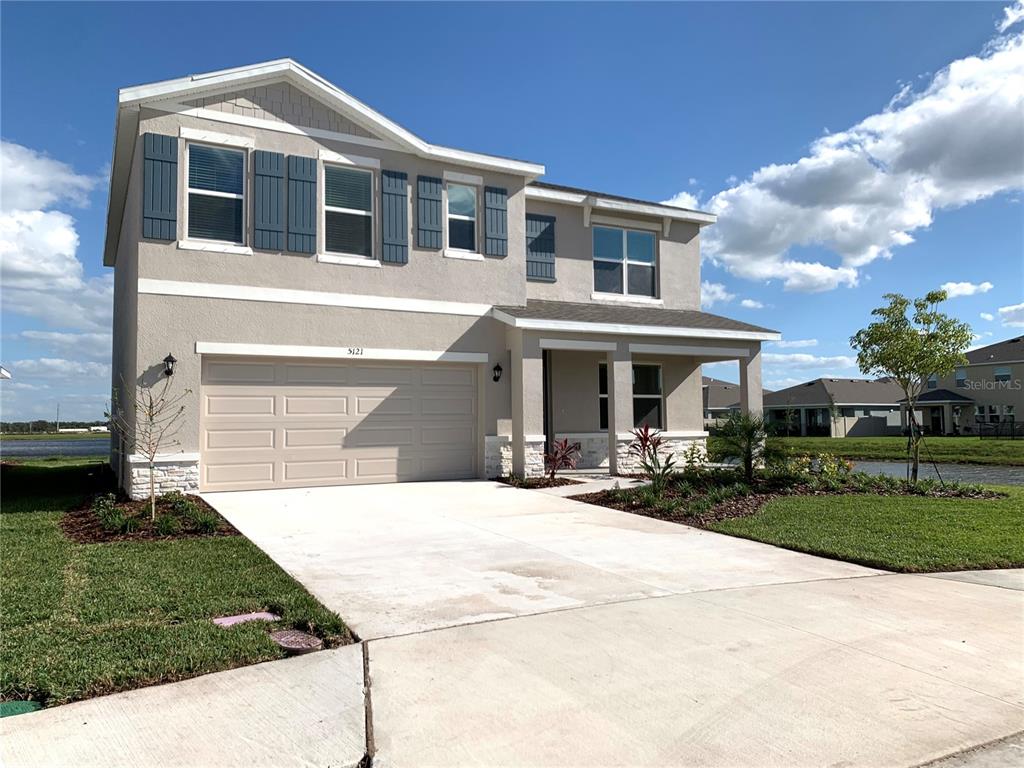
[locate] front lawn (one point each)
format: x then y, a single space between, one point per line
898 533
80 620
957 450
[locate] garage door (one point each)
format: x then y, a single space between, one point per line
291 423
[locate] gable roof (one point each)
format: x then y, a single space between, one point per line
1009 351
169 93
842 391
941 396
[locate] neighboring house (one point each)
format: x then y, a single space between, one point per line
837 408
983 397
721 398
348 303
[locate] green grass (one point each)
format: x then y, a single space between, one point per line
55 436
957 450
898 533
80 620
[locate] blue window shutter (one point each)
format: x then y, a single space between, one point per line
394 217
428 213
160 187
540 248
301 204
495 221
268 203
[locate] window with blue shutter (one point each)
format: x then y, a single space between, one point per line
160 187
216 193
540 248
268 201
428 213
495 221
394 217
301 204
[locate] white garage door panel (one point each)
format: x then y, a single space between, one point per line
285 423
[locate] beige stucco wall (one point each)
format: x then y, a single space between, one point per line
427 275
678 259
983 389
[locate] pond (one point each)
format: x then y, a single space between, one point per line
99 446
963 473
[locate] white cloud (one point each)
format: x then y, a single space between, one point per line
862 192
1012 316
712 293
1011 15
33 181
987 316
751 304
731 180
94 346
692 182
59 368
783 383
794 343
683 200
803 361
966 289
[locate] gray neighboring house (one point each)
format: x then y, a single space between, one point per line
349 303
721 399
838 408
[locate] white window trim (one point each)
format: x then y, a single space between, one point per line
212 137
341 257
625 297
468 179
626 264
222 246
661 397
463 253
358 161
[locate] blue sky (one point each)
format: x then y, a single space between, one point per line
850 149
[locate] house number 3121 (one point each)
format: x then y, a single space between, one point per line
355 350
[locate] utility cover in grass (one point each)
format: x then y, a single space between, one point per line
294 641
10 708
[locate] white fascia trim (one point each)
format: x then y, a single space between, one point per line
554 195
615 221
314 85
200 245
607 204
689 351
464 178
211 137
334 157
316 298
622 297
570 326
165 458
348 261
454 253
358 353
574 344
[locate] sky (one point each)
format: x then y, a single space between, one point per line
849 149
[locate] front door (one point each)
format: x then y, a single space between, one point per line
936 421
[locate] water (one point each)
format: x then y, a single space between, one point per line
99 446
964 473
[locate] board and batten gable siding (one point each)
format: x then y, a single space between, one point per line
678 259
427 274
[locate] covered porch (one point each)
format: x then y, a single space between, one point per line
593 379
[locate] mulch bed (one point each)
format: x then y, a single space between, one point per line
83 526
537 482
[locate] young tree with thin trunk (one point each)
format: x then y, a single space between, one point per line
909 348
157 419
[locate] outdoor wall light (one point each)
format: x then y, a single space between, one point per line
169 362
497 371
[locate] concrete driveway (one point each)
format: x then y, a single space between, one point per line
409 557
637 642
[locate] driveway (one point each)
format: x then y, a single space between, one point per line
637 642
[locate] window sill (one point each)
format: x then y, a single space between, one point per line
454 253
199 245
348 261
627 298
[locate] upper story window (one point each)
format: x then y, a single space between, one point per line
462 207
1002 373
216 193
624 261
348 211
933 381
961 377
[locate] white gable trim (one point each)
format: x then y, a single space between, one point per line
666 214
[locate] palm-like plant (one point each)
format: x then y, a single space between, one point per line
750 439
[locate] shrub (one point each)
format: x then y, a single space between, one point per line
179 503
203 521
167 525
563 455
750 439
656 468
110 516
694 457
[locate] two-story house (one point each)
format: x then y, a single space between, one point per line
346 302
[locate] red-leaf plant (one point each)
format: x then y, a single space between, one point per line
657 468
563 455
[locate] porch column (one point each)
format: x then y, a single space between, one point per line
620 402
527 387
947 419
803 422
751 394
